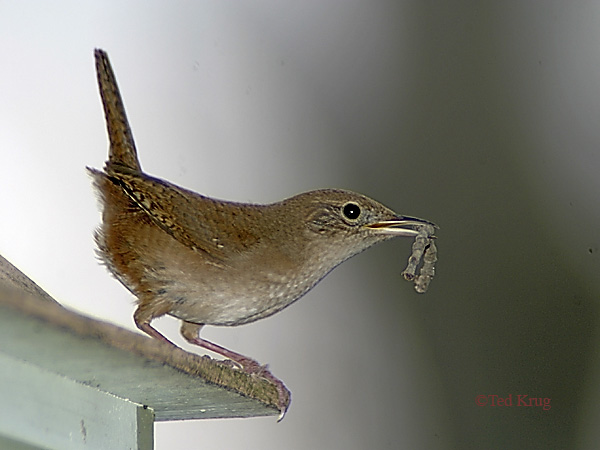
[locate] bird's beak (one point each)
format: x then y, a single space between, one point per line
401 226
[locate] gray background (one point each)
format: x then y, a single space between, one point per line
481 117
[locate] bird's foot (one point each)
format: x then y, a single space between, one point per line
245 364
254 368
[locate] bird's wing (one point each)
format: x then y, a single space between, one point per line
198 222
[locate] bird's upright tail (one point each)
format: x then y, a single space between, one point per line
122 153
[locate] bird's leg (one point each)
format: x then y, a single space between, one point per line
191 333
142 318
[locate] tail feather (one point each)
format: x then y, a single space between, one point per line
122 153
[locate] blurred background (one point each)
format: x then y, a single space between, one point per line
480 117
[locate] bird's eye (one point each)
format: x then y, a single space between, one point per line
351 211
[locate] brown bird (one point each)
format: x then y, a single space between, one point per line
214 262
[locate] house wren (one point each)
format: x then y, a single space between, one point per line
214 262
